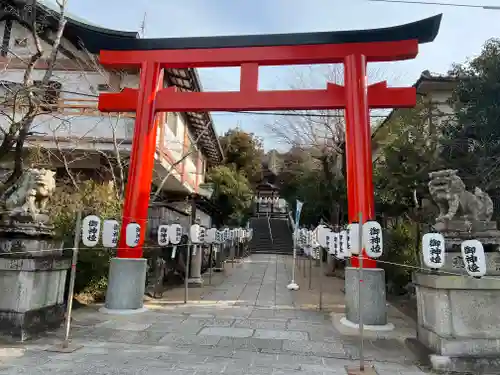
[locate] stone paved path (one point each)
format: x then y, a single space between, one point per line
249 324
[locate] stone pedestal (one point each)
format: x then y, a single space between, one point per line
219 266
457 231
458 320
330 261
126 285
32 293
232 252
33 270
195 280
454 264
373 296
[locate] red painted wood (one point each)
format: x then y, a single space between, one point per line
135 208
355 97
359 168
264 56
171 100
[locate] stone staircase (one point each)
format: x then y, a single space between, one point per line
278 240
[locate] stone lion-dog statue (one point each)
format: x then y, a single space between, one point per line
29 196
453 200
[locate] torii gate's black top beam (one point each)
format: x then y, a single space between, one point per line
96 39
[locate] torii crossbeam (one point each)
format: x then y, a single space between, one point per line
352 48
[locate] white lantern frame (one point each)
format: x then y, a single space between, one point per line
175 233
162 235
91 230
473 256
433 250
110 233
133 234
373 248
353 245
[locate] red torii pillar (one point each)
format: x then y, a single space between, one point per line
356 97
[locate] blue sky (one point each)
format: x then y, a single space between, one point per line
463 31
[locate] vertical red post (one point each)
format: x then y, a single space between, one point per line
358 145
135 207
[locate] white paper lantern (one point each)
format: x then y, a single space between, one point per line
218 237
195 233
330 248
91 228
163 235
343 253
203 233
314 239
334 244
307 237
175 234
110 233
302 238
322 232
353 238
315 253
210 235
133 234
372 239
322 236
226 234
474 258
433 250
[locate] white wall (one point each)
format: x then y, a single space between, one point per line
97 128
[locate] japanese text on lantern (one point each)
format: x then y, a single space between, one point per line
375 240
471 258
137 234
435 251
115 233
93 230
163 234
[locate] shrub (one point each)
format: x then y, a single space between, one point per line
399 249
94 198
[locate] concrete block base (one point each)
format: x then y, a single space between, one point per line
31 294
458 322
126 284
373 301
195 282
105 310
378 328
355 370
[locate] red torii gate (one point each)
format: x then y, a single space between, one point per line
352 48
